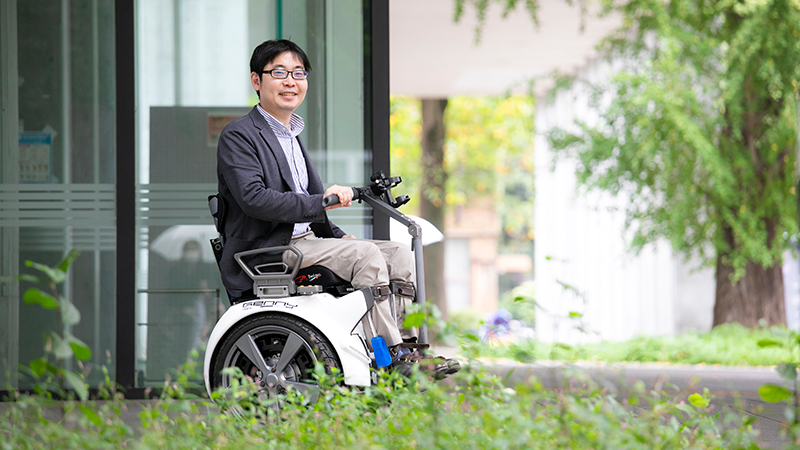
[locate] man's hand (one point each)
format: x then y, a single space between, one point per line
344 193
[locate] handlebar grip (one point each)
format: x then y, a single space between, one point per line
330 200
333 199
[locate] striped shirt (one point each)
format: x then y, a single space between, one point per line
287 137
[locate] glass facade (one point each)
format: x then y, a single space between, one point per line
192 78
57 173
109 115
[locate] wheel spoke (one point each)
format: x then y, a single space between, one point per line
293 345
231 395
309 390
247 345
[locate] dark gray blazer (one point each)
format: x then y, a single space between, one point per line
256 183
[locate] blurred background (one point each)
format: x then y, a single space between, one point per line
600 170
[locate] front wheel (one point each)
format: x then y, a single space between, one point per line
275 352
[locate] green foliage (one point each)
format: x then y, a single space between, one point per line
788 340
728 344
774 394
481 6
478 411
488 154
61 345
700 126
521 303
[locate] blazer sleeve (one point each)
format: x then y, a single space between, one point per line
253 185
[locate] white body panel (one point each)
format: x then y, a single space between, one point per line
334 317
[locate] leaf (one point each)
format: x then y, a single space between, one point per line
67 262
699 401
787 371
769 343
773 394
40 366
69 313
54 274
79 348
575 315
32 279
77 383
472 337
36 296
91 415
61 347
414 320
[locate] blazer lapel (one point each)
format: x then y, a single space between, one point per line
273 145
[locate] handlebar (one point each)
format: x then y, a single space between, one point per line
333 199
380 190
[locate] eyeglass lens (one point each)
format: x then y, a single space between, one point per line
282 74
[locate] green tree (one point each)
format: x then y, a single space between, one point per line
699 127
487 153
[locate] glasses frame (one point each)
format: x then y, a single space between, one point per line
288 72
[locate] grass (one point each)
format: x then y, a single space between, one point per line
729 344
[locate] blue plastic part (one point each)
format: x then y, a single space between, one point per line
382 356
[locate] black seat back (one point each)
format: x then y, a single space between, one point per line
218 208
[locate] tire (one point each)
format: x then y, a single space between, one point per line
270 335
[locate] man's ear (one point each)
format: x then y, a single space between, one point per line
255 80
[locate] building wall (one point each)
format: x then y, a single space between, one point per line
471 257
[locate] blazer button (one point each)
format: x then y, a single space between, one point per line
285 242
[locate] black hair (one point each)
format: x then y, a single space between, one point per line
267 51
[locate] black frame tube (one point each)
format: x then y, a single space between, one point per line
125 373
377 107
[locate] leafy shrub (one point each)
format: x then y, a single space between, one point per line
476 411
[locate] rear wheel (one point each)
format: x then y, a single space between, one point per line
275 353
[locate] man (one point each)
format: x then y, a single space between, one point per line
274 196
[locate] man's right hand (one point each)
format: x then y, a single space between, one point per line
344 193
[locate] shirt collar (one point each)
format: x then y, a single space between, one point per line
296 124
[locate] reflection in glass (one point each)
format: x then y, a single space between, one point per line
193 77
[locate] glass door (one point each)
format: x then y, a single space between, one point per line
57 176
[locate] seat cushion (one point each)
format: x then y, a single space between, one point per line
318 276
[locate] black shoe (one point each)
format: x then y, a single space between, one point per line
436 367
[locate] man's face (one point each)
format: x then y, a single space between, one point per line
280 97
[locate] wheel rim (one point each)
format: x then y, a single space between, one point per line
276 359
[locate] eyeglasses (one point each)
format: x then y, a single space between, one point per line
282 74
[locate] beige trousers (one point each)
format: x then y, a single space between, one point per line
365 263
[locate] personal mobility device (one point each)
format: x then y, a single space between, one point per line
303 316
